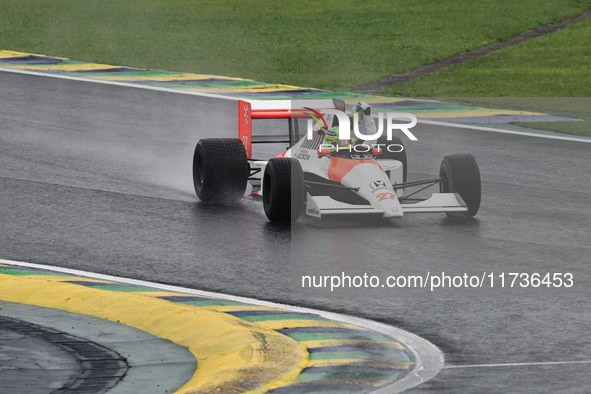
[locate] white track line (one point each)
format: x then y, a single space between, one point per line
117 83
494 130
432 122
428 360
518 364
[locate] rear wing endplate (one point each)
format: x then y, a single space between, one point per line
276 109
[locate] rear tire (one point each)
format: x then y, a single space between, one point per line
283 189
220 170
400 156
461 175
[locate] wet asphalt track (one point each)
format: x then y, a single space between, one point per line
98 178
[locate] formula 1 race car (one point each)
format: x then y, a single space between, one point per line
365 178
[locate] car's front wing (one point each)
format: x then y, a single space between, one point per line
318 206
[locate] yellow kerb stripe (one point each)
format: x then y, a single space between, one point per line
20 54
163 78
229 350
68 67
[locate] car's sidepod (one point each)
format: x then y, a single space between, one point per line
369 180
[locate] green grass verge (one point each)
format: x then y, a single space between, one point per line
332 44
558 64
574 107
577 128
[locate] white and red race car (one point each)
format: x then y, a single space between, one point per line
321 182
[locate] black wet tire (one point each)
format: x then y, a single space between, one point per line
283 189
220 170
400 156
461 175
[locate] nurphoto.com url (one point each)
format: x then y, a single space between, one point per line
432 282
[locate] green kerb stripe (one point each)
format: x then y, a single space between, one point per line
125 289
62 63
214 303
17 272
220 85
398 358
330 335
280 317
312 376
234 84
133 74
439 108
337 94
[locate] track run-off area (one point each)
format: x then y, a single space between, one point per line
239 344
96 177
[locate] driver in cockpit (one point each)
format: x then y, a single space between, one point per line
366 122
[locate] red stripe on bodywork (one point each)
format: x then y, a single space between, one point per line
339 167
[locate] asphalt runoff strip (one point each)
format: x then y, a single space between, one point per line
378 86
96 368
45 350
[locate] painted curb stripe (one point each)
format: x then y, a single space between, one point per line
190 298
229 351
247 89
340 342
382 371
262 313
30 59
340 363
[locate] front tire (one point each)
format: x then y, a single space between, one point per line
283 189
220 170
461 175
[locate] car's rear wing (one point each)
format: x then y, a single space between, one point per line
278 109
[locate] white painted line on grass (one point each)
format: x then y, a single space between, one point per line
533 364
427 359
502 131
